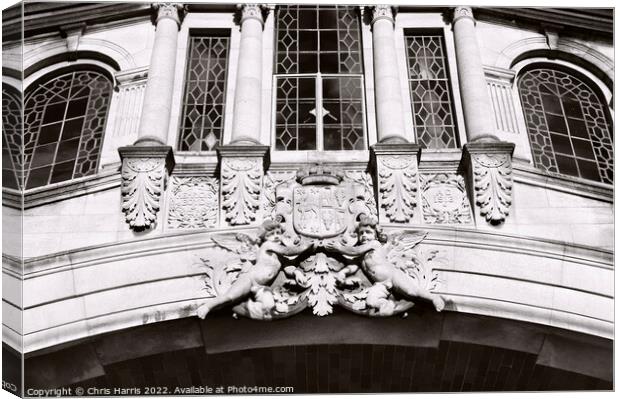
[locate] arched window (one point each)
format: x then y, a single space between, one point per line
568 126
12 159
64 123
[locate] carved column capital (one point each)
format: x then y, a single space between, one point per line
463 12
252 11
173 11
382 11
488 165
144 173
396 168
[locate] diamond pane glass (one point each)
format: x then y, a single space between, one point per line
568 127
318 39
63 130
295 114
12 156
205 94
431 98
323 108
343 113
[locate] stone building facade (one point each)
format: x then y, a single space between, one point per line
480 140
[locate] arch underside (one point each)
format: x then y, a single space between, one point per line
342 353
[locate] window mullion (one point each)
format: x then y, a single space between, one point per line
62 130
319 111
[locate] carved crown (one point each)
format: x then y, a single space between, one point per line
319 174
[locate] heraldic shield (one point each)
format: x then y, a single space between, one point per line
322 248
319 211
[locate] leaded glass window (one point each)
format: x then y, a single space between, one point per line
431 98
64 124
205 94
319 81
568 126
12 157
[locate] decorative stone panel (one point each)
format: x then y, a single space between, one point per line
129 97
499 86
193 202
444 199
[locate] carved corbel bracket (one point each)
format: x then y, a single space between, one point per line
242 168
396 170
72 33
552 34
488 167
144 172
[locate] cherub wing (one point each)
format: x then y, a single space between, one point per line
401 248
404 254
241 244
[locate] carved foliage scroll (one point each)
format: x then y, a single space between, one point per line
241 187
398 185
493 185
143 183
270 182
364 179
444 199
193 202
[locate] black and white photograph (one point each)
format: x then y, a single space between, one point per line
209 198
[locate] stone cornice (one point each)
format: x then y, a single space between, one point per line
32 198
48 17
583 19
527 174
199 239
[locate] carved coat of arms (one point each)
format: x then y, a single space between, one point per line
323 248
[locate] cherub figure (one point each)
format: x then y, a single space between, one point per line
260 265
386 264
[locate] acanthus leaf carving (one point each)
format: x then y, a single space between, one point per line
493 185
143 181
241 187
398 185
322 293
382 11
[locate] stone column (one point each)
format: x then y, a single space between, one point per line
147 164
472 83
160 84
394 159
486 161
389 105
244 160
248 85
